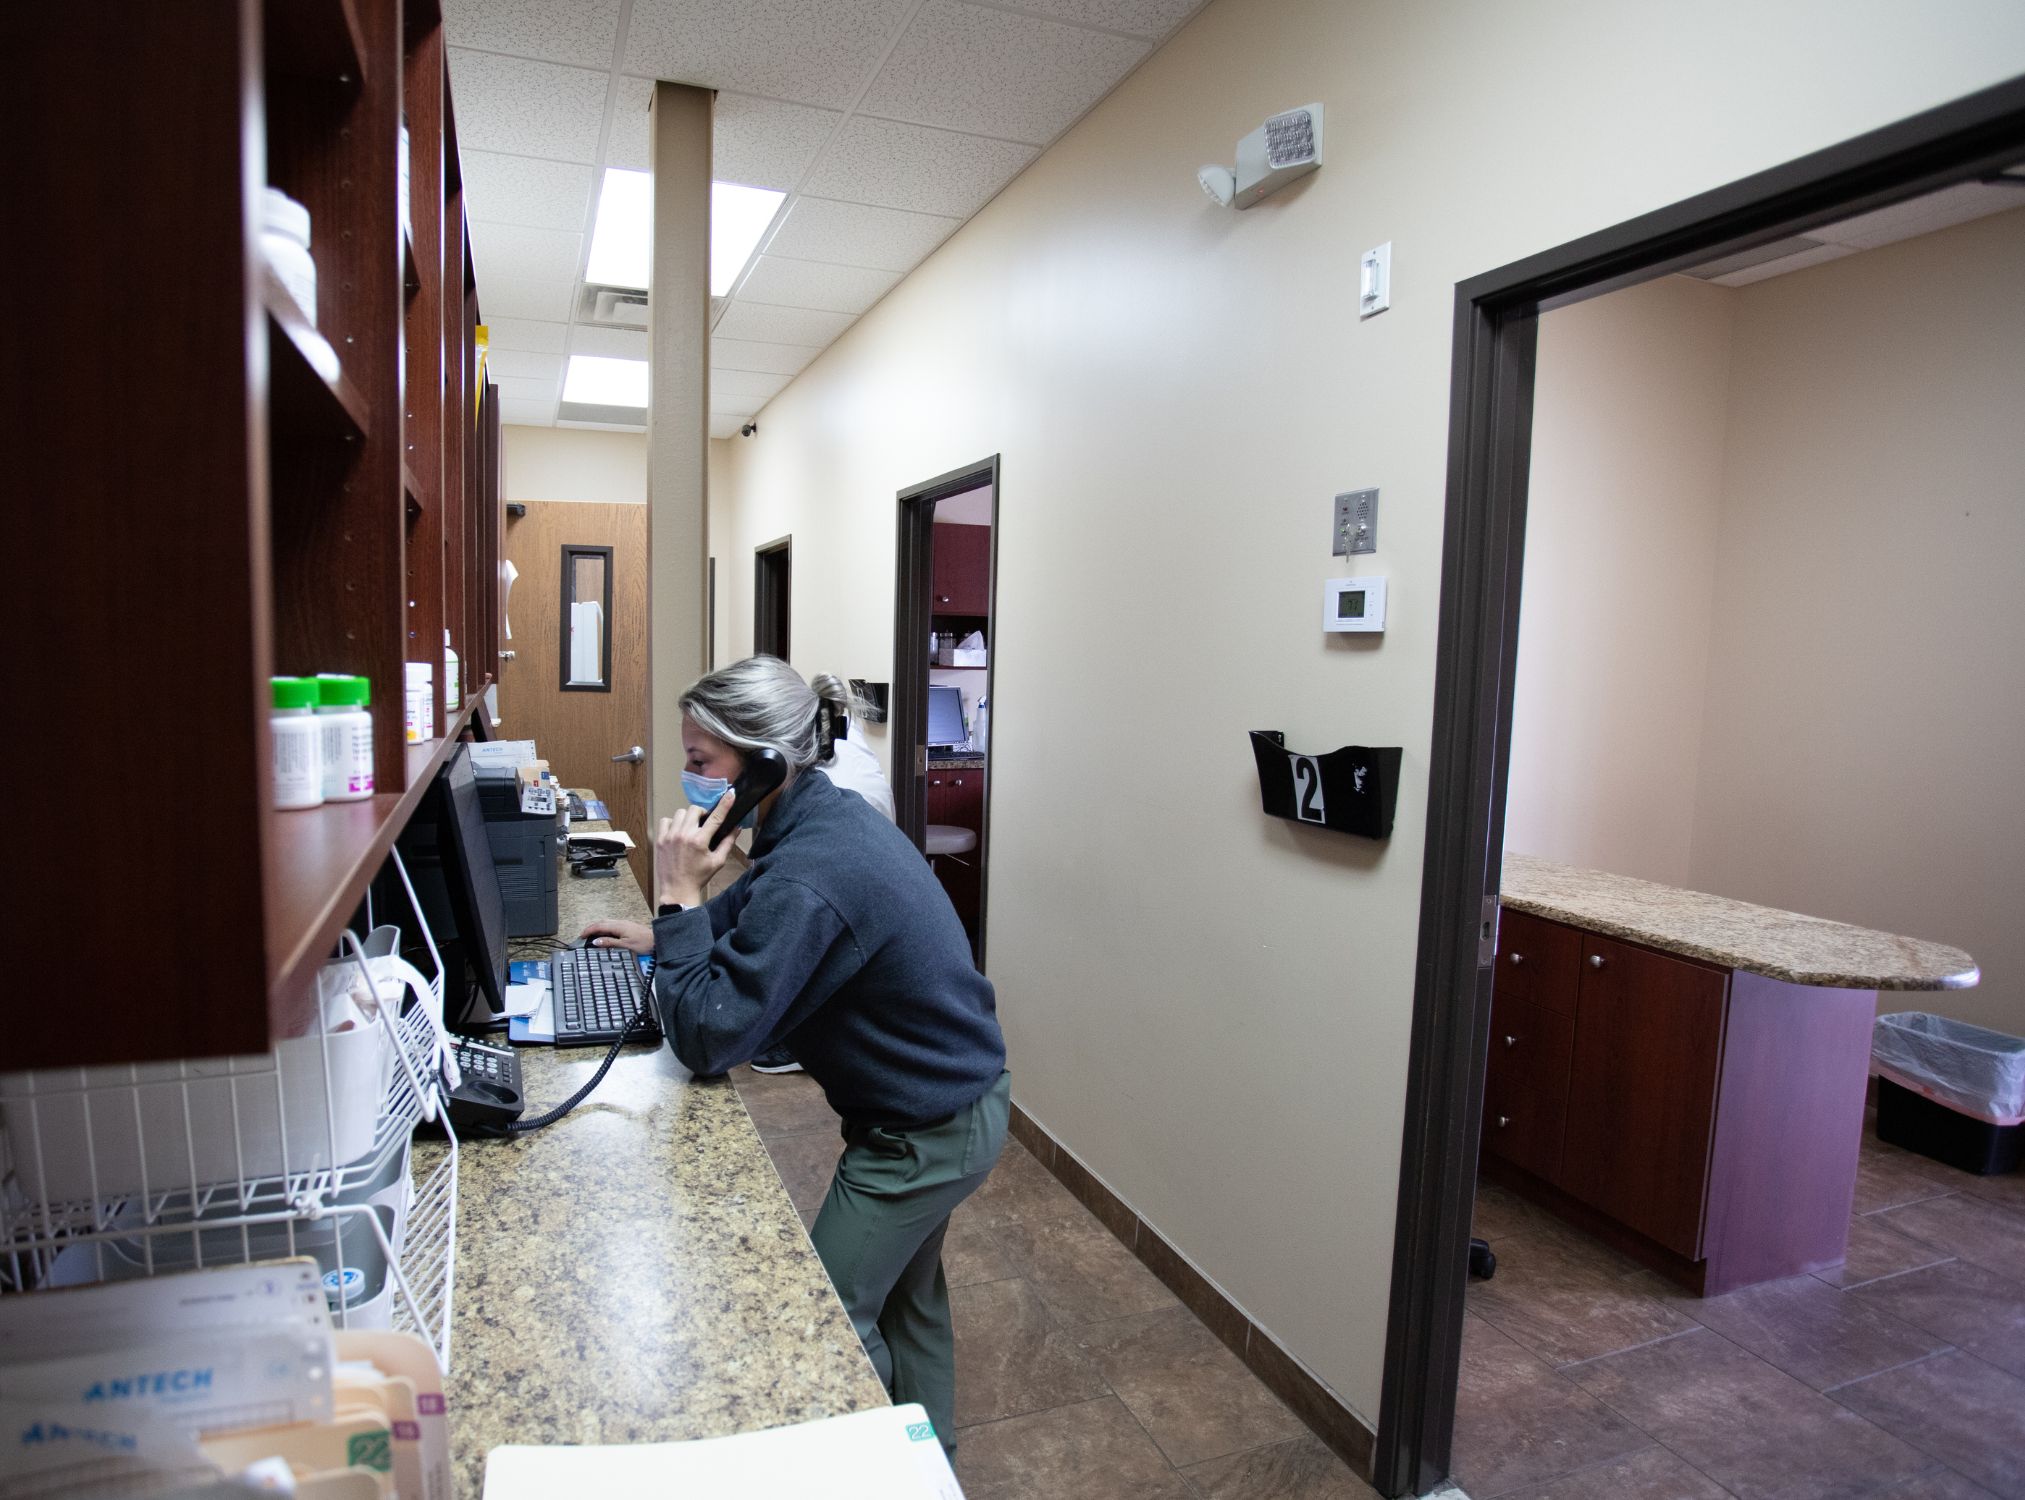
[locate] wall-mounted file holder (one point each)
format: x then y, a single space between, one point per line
1352 790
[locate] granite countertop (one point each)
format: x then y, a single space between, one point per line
1734 934
634 1272
956 762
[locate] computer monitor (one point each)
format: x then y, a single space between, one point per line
475 901
945 718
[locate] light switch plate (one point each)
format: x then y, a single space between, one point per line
1374 281
1356 524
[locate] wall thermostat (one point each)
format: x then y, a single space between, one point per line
1355 605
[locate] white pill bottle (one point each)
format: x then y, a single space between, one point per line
298 743
347 727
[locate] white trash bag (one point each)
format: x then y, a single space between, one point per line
1974 1071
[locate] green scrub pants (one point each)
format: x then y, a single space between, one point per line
879 1235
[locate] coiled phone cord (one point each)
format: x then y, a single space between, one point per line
523 1127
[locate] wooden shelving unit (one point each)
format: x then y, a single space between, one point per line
244 493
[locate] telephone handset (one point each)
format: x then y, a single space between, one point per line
764 771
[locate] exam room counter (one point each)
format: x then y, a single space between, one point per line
635 1273
1730 934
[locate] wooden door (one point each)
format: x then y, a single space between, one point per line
1526 1083
1642 1090
577 729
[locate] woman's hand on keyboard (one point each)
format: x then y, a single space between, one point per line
608 933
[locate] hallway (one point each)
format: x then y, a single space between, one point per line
1078 1373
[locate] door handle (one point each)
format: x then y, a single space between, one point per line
506 656
635 755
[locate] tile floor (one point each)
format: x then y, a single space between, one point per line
1899 1374
1079 1376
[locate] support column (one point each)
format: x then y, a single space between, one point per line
678 416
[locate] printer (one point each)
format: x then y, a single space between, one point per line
525 850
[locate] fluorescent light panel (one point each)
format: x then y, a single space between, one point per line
597 381
622 240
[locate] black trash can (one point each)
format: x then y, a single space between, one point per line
1950 1091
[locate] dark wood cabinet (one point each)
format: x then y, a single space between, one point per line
246 491
956 798
1648 1037
961 571
1526 1084
1701 1119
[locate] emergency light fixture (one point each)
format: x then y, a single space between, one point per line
1287 146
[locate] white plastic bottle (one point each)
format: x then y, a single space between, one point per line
421 702
347 727
450 684
298 739
284 241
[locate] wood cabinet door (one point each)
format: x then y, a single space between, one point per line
962 570
1538 960
1642 1090
1526 1084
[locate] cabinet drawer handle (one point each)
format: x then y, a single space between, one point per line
1503 1121
942 598
1517 958
1511 1041
1595 960
959 781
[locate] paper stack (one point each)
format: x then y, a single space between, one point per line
890 1453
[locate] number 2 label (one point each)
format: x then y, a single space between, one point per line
1308 805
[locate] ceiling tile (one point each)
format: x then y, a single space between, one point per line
774 359
781 325
807 283
1800 262
517 253
517 388
512 297
527 413
799 50
1953 205
912 167
626 146
527 108
609 343
564 31
765 143
518 364
723 426
730 387
1149 18
502 189
520 333
857 234
999 74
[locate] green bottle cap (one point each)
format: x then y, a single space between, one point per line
294 692
339 690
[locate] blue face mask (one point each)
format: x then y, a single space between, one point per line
705 792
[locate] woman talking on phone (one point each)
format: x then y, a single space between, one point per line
840 942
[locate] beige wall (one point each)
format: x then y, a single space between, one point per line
1631 398
1865 724
1209 1007
574 463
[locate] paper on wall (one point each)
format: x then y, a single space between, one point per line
587 639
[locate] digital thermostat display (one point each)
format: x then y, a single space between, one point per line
1354 605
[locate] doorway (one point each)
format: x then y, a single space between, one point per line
772 579
1490 450
944 650
574 679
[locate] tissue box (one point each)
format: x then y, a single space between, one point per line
961 656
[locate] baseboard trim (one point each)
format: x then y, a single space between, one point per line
1286 1377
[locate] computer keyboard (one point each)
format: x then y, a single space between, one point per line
597 991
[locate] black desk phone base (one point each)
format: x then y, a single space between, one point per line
491 1095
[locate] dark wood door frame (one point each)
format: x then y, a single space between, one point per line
772 597
1483 545
913 579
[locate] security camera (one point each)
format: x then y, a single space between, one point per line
1219 182
750 429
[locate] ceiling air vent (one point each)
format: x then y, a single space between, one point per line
612 307
1758 255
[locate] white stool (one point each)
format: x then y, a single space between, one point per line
947 838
